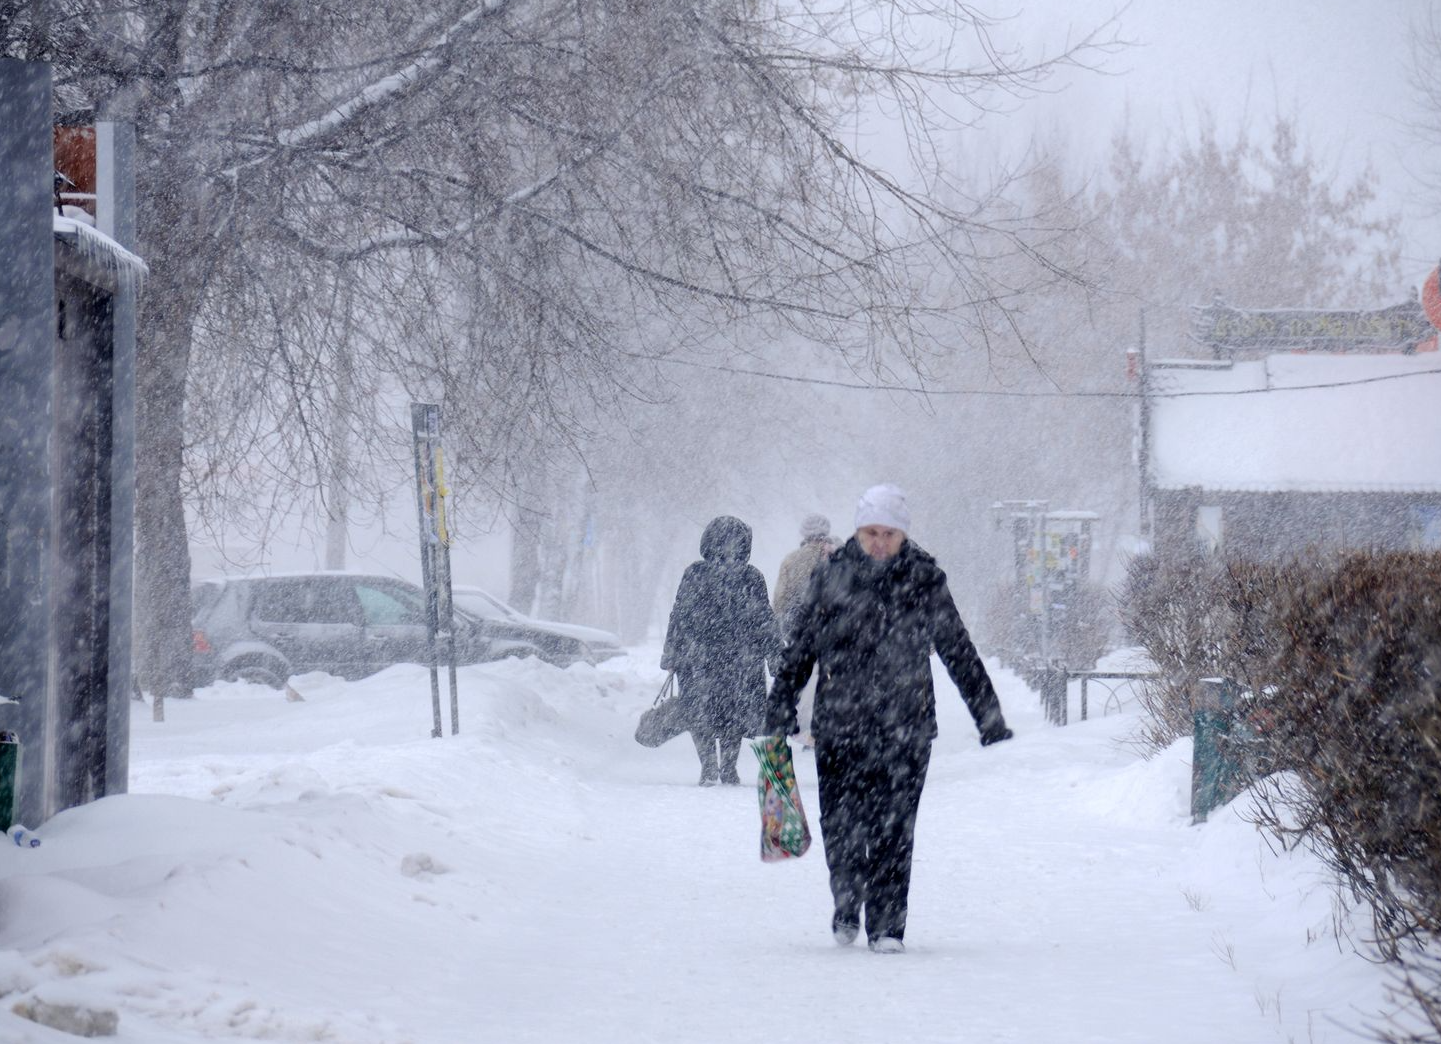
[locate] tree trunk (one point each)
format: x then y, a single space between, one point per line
163 650
176 243
550 596
638 561
525 560
337 501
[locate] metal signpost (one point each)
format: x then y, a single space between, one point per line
430 493
1027 520
1052 560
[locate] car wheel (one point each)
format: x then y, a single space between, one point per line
260 672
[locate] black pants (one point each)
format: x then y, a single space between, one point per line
869 797
724 769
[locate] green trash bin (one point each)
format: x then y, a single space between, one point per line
1219 769
9 777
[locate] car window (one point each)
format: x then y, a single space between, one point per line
280 601
332 600
305 600
389 606
203 597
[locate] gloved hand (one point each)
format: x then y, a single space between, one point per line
776 726
995 733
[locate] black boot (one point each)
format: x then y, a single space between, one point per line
709 770
730 750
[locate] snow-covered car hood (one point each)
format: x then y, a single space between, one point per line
479 602
590 635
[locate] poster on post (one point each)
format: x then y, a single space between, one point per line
430 494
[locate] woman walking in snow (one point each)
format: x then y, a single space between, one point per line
720 635
872 614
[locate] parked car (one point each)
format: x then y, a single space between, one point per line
560 643
266 629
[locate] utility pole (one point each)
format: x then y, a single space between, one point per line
1142 374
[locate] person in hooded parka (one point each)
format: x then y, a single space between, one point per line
720 636
872 614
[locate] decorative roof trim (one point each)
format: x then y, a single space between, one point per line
1256 487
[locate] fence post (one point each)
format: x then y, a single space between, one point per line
9 778
1053 694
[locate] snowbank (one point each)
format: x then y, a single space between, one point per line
324 870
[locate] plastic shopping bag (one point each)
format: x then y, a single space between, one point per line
785 834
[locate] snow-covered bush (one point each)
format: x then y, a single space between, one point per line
1168 607
1356 702
1339 662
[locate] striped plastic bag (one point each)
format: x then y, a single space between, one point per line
785 834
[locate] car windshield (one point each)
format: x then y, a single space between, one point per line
486 605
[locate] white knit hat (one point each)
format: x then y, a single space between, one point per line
813 527
883 505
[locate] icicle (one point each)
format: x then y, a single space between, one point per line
100 249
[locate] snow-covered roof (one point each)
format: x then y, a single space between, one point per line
1299 423
127 268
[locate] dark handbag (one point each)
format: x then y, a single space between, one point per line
666 719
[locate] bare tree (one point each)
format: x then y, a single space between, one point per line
740 215
1426 90
561 169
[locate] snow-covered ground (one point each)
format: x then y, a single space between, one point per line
325 871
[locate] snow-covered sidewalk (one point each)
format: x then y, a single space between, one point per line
325 871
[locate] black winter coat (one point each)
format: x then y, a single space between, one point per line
869 627
722 632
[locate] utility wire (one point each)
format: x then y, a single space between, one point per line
1001 393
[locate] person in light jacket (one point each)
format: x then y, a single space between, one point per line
795 575
720 634
873 613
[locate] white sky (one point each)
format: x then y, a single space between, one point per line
1343 68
